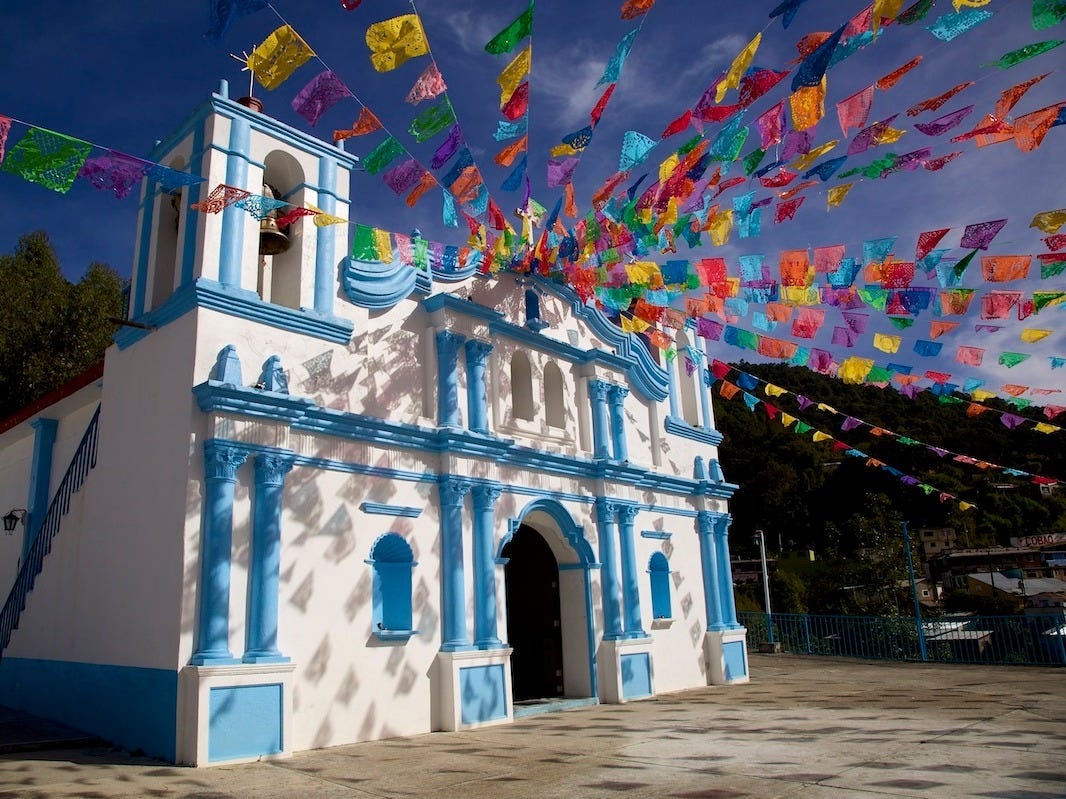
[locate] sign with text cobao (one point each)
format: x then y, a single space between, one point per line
1038 540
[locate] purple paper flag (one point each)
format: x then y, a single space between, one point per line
115 172
403 176
979 235
561 171
943 124
316 98
448 147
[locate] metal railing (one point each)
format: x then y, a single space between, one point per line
1037 640
80 465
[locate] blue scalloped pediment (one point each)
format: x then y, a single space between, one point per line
370 284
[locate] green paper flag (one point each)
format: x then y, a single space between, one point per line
1008 60
1048 13
383 155
752 160
432 121
505 40
900 322
364 244
964 262
1010 359
48 159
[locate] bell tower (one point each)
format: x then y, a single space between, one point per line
252 260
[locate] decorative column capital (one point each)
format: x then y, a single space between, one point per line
452 490
598 390
485 496
478 351
606 509
448 341
705 522
271 467
221 460
627 513
617 394
721 524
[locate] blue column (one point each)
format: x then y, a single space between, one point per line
233 218
221 462
711 599
326 236
598 396
447 378
671 374
617 395
705 395
261 638
40 490
612 622
725 571
452 568
630 586
485 632
477 414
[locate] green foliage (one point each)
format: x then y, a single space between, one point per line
811 496
51 329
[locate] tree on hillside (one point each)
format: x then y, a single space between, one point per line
52 329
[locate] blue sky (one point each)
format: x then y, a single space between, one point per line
123 76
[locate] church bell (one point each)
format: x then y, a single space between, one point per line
272 241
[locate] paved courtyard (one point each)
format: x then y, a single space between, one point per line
803 727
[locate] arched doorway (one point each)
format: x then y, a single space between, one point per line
534 620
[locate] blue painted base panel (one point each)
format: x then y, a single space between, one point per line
483 692
735 663
245 721
534 707
636 675
134 708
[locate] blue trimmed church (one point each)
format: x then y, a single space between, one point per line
312 500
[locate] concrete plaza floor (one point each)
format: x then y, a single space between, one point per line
803 727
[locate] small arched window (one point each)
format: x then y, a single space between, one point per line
554 401
281 264
168 211
393 564
521 387
688 405
659 569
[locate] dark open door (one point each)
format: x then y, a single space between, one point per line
534 628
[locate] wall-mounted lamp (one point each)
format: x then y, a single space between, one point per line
14 516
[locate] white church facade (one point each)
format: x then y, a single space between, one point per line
312 500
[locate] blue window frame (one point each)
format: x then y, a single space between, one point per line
659 569
393 564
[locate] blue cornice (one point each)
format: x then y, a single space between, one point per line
242 303
460 306
258 122
658 535
303 415
679 427
379 509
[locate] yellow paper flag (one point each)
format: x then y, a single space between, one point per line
1044 427
1032 334
513 73
667 167
980 395
773 391
720 226
280 54
807 105
971 3
837 194
886 343
738 68
787 420
393 42
820 436
854 370
1049 221
802 163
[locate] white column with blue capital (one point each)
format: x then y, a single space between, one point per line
616 396
454 635
711 594
630 584
486 635
605 520
221 462
265 568
598 397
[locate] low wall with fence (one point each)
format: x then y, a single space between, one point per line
1013 640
